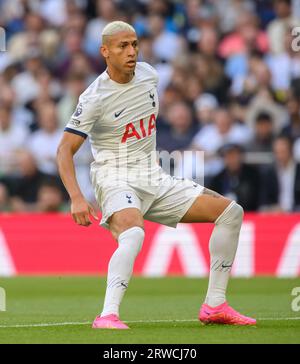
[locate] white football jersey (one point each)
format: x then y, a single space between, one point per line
120 120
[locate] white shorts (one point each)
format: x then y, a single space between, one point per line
172 199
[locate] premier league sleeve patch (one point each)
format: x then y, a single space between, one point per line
76 114
84 116
78 110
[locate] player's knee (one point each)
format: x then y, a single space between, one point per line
130 221
120 222
232 215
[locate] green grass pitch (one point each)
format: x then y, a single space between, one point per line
161 310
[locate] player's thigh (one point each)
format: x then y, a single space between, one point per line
125 219
174 197
207 207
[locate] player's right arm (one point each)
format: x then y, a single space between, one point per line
80 208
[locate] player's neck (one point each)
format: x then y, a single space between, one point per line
119 77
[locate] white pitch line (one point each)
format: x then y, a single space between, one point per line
44 324
131 322
195 320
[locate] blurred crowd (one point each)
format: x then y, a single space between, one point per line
229 86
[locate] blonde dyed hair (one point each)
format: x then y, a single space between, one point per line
116 27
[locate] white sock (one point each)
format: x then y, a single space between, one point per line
120 268
222 247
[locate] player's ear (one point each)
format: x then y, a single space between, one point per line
104 50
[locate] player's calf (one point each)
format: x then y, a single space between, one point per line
222 247
126 227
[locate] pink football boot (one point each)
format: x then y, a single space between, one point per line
109 322
223 314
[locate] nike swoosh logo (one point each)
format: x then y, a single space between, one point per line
226 266
117 114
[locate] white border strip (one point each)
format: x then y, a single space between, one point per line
131 322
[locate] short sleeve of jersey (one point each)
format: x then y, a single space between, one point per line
152 71
84 117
